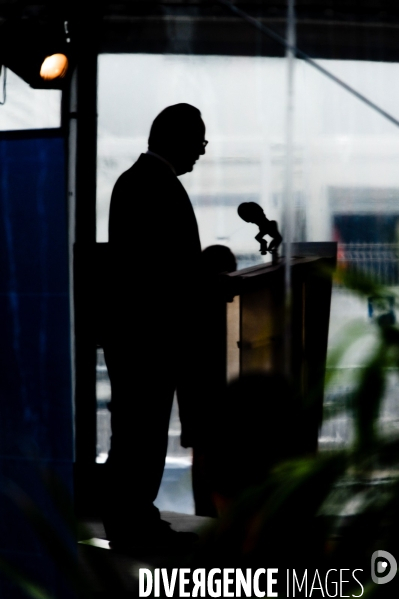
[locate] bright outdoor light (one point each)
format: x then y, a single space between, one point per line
54 67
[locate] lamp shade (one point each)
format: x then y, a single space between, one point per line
54 67
37 52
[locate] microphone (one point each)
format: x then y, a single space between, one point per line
251 212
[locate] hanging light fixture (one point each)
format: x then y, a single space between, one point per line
54 67
39 52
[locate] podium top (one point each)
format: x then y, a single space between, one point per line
262 269
320 249
302 254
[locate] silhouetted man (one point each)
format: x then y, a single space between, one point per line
155 253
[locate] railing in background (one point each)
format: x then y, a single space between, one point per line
377 260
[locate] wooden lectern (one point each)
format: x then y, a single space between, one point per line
257 324
257 331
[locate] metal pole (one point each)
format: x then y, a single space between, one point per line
300 54
85 238
289 183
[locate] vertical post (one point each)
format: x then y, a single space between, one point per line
289 183
85 237
69 112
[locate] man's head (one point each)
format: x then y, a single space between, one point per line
178 135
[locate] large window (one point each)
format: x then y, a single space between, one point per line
345 177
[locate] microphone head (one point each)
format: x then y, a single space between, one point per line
251 212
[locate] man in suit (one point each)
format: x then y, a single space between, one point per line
154 255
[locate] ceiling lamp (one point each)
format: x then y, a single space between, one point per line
39 52
54 67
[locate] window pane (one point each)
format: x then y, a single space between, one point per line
345 178
346 186
245 128
242 103
28 108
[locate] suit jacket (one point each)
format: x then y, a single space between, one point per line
154 251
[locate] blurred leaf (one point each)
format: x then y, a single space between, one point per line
63 552
359 282
292 496
31 588
367 401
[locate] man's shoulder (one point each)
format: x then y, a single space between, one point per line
148 176
147 165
